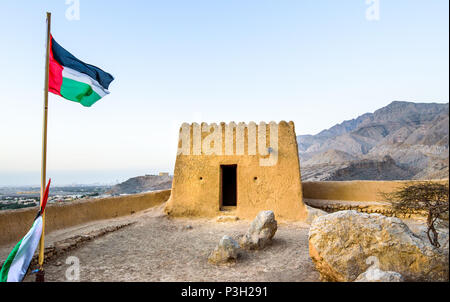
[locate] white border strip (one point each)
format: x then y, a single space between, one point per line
83 78
21 261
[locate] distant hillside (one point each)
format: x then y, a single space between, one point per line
414 136
142 184
330 157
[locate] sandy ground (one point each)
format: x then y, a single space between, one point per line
158 248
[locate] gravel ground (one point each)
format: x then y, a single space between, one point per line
158 248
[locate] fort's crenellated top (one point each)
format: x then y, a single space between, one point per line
233 138
238 124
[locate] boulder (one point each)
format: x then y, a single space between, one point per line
420 228
339 244
313 213
261 231
227 251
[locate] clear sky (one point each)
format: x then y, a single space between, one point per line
316 63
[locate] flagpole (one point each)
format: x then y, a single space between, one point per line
40 274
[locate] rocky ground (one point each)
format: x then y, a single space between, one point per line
157 248
149 246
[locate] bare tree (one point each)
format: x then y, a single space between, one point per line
431 197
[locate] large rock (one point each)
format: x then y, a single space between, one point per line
227 251
261 231
313 213
339 244
419 228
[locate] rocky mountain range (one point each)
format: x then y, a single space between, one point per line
403 140
142 184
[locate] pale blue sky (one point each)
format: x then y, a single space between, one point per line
314 62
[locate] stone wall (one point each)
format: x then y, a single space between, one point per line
14 224
365 190
362 196
383 208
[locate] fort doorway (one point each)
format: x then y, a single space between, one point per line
228 186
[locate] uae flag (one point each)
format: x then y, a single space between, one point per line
16 265
75 80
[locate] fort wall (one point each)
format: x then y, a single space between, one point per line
268 170
14 224
360 190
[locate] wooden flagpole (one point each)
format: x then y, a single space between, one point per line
40 274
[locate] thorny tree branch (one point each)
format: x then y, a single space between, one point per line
429 196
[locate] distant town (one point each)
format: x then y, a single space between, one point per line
29 196
25 197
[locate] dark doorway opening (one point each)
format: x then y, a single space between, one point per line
228 185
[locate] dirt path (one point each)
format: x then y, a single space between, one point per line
157 248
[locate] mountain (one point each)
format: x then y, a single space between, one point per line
142 184
331 156
403 140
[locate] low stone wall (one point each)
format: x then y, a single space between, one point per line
351 190
369 207
14 224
